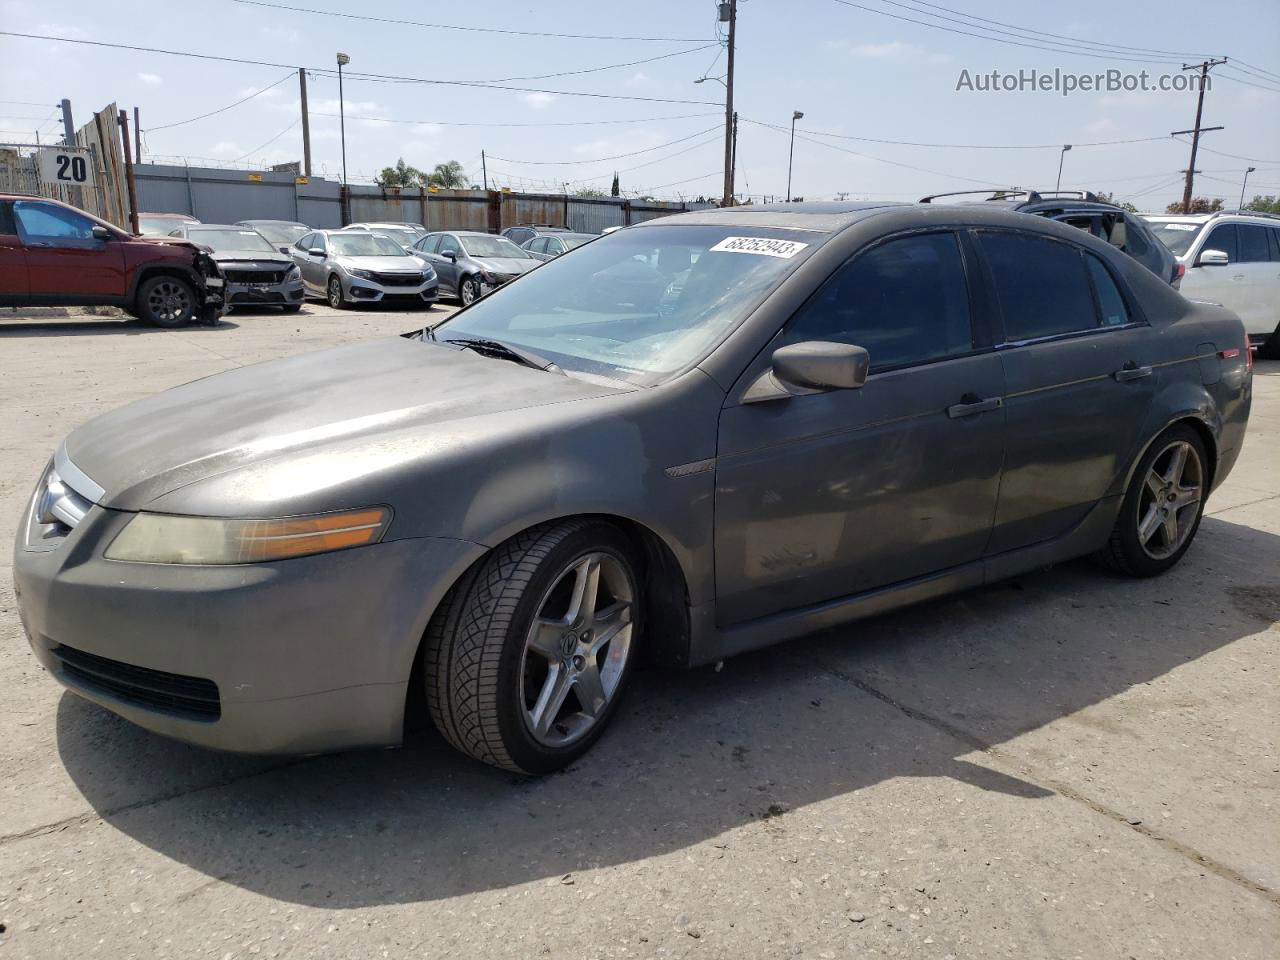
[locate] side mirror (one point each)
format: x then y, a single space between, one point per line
450 255
316 252
100 232
814 366
1213 258
285 249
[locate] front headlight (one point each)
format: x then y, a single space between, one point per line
163 538
428 274
487 278
362 274
293 273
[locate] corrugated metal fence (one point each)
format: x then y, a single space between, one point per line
225 196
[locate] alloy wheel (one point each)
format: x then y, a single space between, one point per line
468 293
335 292
1170 500
577 648
169 301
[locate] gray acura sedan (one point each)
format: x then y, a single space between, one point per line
694 437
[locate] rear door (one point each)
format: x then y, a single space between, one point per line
1081 369
13 261
825 495
65 261
1254 279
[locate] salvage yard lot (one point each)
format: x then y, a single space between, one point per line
1067 764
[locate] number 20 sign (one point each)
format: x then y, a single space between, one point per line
61 166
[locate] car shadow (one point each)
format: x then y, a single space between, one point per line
106 326
690 756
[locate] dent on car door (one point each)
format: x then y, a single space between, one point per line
1081 370
65 261
13 262
824 495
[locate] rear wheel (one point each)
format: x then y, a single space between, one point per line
1162 508
469 292
166 302
528 657
335 297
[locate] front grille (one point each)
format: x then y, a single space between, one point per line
255 276
398 279
192 698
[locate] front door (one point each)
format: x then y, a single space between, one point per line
1081 371
65 261
825 495
446 268
13 261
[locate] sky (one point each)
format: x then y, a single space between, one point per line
859 71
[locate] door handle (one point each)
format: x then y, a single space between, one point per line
971 404
1131 371
39 243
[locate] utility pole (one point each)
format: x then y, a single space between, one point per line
68 128
306 123
729 13
1195 132
733 164
484 171
137 136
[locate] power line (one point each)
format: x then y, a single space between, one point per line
1233 156
1241 63
547 123
1248 83
269 142
982 146
619 156
449 26
323 71
212 113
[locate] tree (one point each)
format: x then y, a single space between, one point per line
1198 205
448 176
615 190
401 175
1263 204
1110 198
592 192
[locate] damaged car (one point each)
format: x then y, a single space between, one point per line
55 255
257 274
692 438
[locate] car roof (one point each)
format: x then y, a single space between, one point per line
1206 217
289 223
817 216
170 216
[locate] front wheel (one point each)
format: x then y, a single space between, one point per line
528 656
469 292
335 297
166 302
291 308
1162 508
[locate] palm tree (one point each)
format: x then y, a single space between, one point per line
449 176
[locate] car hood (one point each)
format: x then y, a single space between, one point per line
380 401
254 256
383 264
505 264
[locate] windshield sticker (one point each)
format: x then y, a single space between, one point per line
785 249
1179 226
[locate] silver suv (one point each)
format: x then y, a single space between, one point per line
355 266
1231 258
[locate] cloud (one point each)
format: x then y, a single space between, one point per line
638 79
226 148
281 34
538 101
1103 126
893 50
151 79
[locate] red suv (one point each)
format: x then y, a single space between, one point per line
52 254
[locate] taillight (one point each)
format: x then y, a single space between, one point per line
1179 271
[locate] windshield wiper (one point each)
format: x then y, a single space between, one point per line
503 351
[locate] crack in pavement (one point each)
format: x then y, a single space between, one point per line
1031 775
1237 506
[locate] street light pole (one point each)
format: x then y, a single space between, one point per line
1061 156
1242 185
343 60
795 115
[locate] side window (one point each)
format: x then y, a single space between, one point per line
1042 285
43 221
1252 241
1110 302
7 226
428 243
538 245
906 301
449 244
1273 232
1223 237
554 245
304 243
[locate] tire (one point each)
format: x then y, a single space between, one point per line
1152 531
166 301
333 293
517 698
291 308
469 291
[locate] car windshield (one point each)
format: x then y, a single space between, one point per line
637 305
158 226
282 234
1177 235
496 247
230 238
576 240
364 245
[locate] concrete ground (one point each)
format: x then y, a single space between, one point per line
1069 764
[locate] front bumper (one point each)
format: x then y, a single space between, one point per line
265 294
360 290
298 656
